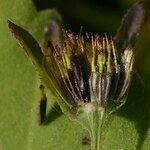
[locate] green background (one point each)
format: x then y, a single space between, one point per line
127 129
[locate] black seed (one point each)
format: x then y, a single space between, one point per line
73 87
65 86
50 45
80 72
114 85
120 83
43 104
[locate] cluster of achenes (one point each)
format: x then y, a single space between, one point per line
92 69
86 72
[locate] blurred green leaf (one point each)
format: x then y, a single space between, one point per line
128 129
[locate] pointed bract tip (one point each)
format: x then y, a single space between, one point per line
141 3
9 22
139 6
131 25
11 26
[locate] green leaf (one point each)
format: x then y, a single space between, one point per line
19 97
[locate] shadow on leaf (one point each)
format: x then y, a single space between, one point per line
53 114
137 109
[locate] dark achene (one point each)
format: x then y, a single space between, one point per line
91 68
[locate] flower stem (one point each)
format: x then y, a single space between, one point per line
92 118
95 128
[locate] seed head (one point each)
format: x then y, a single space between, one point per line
81 69
92 69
